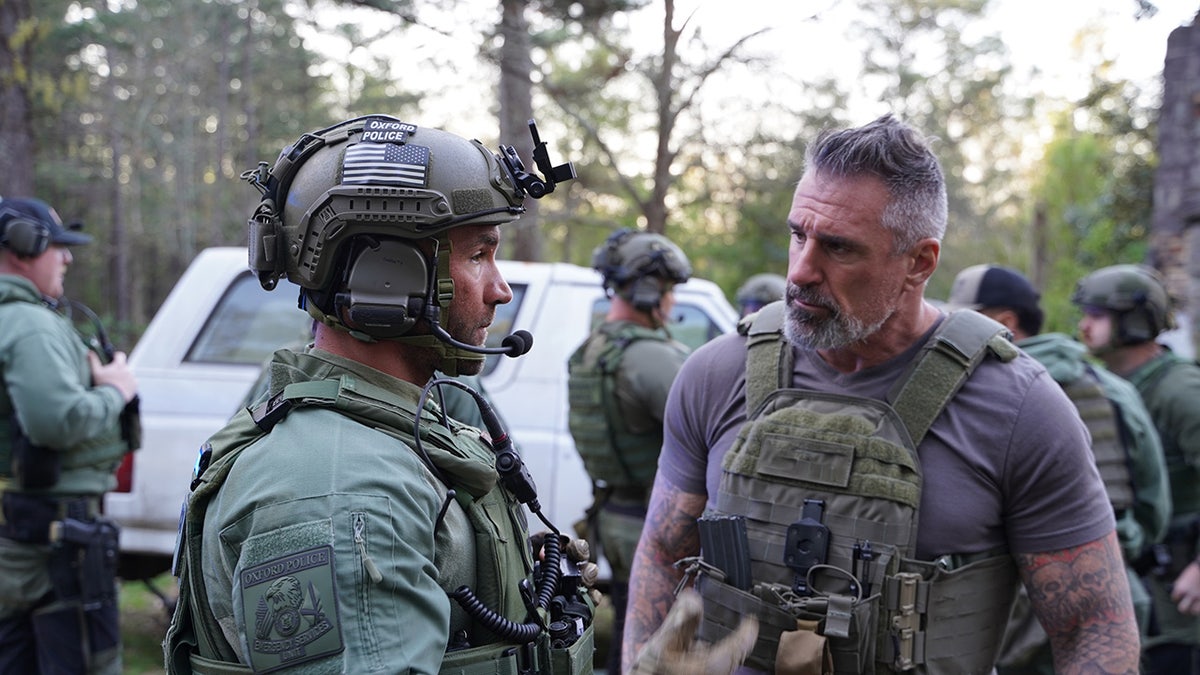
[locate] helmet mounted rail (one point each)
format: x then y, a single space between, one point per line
381 176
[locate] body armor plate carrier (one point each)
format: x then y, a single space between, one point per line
194 633
829 487
611 453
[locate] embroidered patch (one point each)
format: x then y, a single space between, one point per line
290 603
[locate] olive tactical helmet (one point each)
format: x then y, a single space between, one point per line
1135 294
357 215
640 266
761 290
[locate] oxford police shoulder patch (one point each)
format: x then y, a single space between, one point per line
290 610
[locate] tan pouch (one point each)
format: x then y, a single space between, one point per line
803 651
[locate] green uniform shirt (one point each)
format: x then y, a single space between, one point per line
48 384
1170 388
319 550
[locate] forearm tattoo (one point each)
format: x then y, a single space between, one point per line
1081 596
668 535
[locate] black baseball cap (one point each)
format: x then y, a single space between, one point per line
38 211
982 286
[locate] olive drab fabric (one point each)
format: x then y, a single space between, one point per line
610 451
1101 421
88 451
61 440
846 469
1129 457
1169 384
196 642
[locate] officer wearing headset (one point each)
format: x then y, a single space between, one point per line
65 423
346 523
618 384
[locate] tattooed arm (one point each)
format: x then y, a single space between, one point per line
668 535
1081 596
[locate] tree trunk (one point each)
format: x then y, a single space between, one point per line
16 126
516 108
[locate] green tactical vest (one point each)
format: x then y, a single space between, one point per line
196 642
610 452
850 466
1108 439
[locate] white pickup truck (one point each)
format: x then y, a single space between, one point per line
205 347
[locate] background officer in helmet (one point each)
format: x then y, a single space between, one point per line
61 410
1124 308
618 384
1125 443
759 291
346 523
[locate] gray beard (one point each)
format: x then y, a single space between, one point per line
802 329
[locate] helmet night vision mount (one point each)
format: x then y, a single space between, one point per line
343 209
378 175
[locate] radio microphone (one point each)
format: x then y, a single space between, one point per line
514 345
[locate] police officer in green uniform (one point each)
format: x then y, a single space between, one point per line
1124 308
618 384
1124 441
63 431
346 523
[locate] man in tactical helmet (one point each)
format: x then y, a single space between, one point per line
618 383
345 523
1125 307
64 428
790 483
759 291
1125 443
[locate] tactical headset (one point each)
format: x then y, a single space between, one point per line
24 237
385 279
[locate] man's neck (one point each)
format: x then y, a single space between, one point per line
896 335
1124 361
392 358
622 310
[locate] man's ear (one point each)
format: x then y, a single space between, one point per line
923 261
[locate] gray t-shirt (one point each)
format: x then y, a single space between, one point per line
1006 465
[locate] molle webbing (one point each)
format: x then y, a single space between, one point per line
769 359
609 451
879 611
1108 441
501 552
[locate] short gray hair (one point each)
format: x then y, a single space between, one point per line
898 155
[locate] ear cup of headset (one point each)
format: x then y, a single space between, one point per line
387 287
644 293
26 238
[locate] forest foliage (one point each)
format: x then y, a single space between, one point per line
139 116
